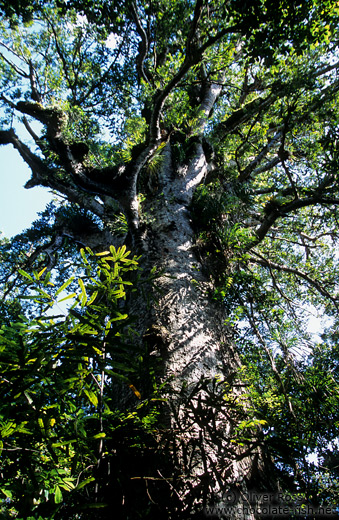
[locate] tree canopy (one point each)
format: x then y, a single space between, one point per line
156 125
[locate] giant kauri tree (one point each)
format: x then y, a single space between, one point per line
192 150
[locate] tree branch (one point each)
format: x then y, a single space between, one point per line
196 17
32 133
119 183
193 56
39 170
264 262
62 58
143 49
43 175
97 83
17 69
251 168
242 115
276 211
251 319
35 93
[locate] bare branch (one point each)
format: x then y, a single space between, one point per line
193 56
284 155
12 51
244 114
197 15
89 236
39 169
61 56
42 175
19 71
102 78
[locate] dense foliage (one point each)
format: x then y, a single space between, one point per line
93 97
57 393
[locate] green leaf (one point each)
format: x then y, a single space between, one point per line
91 396
58 495
83 292
26 275
92 298
28 397
39 275
83 256
64 286
7 492
63 443
84 483
99 435
8 429
72 295
95 506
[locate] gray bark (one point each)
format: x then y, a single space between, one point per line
186 329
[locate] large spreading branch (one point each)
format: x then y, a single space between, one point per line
193 56
120 182
39 169
43 175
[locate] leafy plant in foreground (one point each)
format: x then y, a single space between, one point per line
59 373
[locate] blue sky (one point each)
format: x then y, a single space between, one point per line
18 206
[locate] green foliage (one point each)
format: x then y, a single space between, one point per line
17 9
116 84
59 373
298 400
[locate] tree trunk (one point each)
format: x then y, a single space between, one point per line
186 329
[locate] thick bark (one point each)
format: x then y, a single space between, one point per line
186 329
